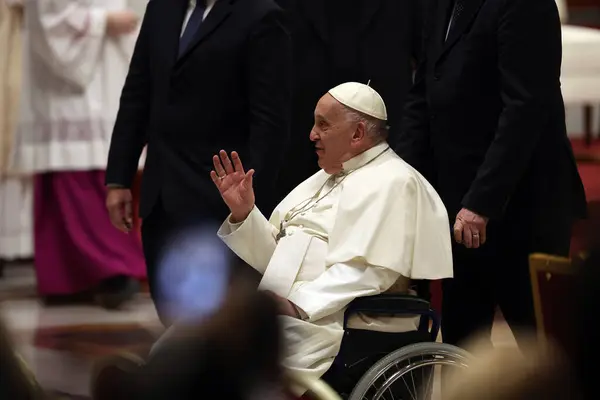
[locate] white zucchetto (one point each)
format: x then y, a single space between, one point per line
360 97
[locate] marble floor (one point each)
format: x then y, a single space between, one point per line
60 343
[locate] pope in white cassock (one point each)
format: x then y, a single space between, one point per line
366 223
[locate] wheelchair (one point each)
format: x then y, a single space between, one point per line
371 365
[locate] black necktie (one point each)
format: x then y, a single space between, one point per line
459 6
192 26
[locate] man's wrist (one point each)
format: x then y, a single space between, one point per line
236 220
239 218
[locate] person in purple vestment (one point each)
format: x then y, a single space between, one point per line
76 58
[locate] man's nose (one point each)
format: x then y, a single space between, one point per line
313 135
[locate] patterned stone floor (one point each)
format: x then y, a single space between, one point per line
60 343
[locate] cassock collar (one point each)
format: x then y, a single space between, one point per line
364 157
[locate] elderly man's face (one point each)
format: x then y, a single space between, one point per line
336 137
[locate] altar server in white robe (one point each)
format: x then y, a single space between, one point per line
364 223
76 57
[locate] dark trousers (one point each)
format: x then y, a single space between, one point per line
497 275
160 232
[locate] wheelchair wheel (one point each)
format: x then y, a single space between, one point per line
408 373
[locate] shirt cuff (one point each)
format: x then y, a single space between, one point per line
228 227
303 315
305 306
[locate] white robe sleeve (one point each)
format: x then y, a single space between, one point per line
338 286
68 35
252 240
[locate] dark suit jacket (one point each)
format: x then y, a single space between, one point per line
377 40
230 90
485 120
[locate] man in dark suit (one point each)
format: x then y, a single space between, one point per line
337 41
485 122
205 76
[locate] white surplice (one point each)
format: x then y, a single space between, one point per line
73 76
381 224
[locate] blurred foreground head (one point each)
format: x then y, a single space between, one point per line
231 354
16 382
228 344
509 374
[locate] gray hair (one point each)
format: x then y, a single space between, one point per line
374 127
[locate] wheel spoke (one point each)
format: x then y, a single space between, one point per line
390 373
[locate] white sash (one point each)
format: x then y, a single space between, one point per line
286 262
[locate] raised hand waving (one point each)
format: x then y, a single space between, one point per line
234 184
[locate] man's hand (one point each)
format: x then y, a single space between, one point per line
121 23
470 229
120 208
234 184
285 306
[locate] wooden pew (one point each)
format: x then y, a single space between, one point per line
554 284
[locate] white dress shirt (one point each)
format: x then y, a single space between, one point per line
192 4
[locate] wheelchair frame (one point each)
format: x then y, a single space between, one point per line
431 353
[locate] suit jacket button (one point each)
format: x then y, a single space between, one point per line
436 77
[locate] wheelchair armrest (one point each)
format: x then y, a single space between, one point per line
389 304
396 305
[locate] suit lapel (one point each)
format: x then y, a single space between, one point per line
215 17
470 11
314 11
440 25
370 9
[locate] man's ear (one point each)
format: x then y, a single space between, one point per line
360 131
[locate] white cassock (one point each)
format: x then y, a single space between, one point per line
380 225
